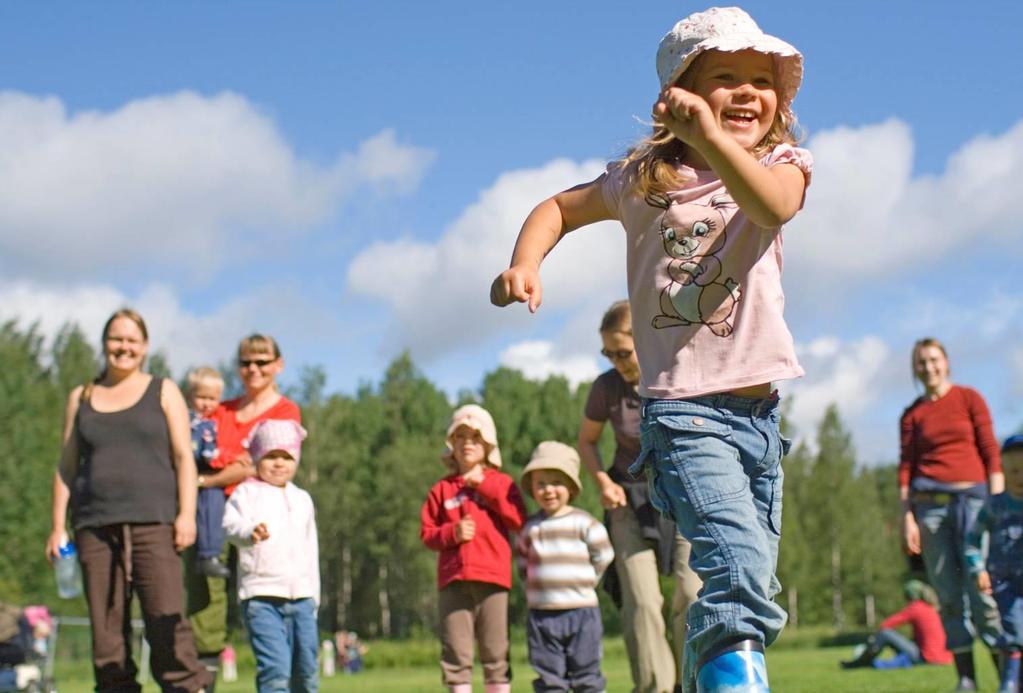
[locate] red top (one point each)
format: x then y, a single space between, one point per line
231 433
496 506
949 439
928 633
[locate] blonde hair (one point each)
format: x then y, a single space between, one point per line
257 343
652 163
617 318
203 374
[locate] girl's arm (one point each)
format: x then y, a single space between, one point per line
433 531
502 496
768 196
237 526
176 412
313 544
599 545
65 474
544 227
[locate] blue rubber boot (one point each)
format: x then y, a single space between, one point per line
1010 673
736 668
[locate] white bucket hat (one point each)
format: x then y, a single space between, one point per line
727 29
479 419
551 454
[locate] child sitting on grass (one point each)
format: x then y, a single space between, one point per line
562 554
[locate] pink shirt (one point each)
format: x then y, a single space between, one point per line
704 285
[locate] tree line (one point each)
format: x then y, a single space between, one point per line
371 456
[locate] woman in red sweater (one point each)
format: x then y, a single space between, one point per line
467 517
949 463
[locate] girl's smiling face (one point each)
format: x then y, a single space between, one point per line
739 87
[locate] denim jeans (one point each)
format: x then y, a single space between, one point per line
714 466
209 521
905 649
965 610
285 642
1008 594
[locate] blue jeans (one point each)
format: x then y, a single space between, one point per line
965 610
714 466
906 652
285 641
1008 594
209 521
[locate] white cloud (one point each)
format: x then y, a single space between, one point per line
170 178
185 337
538 360
867 218
437 294
847 374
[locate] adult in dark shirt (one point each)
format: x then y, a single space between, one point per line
643 541
127 471
949 463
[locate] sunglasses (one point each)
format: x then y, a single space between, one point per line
619 355
260 363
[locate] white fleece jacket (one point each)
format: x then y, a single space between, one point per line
288 563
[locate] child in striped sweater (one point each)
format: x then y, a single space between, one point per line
562 554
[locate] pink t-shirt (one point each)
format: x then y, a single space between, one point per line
704 285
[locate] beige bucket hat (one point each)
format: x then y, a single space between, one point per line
726 29
551 454
479 419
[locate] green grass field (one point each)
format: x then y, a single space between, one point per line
798 664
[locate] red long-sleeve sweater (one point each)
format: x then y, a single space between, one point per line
496 506
928 633
949 439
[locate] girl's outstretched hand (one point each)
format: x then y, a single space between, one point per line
686 115
519 283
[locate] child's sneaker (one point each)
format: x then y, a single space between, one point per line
212 567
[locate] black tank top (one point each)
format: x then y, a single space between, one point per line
125 474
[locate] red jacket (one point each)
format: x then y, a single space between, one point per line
928 633
496 506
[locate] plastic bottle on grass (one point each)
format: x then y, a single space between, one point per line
68 572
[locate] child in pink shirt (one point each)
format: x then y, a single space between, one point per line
703 200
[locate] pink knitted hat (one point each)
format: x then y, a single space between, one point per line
275 434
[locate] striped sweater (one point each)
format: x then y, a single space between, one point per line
562 559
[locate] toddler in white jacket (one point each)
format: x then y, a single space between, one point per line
273 523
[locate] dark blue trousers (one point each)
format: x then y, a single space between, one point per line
565 649
209 519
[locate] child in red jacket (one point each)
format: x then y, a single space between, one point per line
467 517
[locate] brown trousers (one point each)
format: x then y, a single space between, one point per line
117 561
473 611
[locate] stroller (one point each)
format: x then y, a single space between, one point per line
28 639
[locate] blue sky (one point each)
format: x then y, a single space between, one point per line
350 176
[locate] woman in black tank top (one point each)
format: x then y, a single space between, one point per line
127 472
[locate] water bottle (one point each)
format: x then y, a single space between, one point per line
68 572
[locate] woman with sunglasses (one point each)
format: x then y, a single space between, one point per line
643 540
259 363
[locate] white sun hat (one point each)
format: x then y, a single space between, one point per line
726 29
